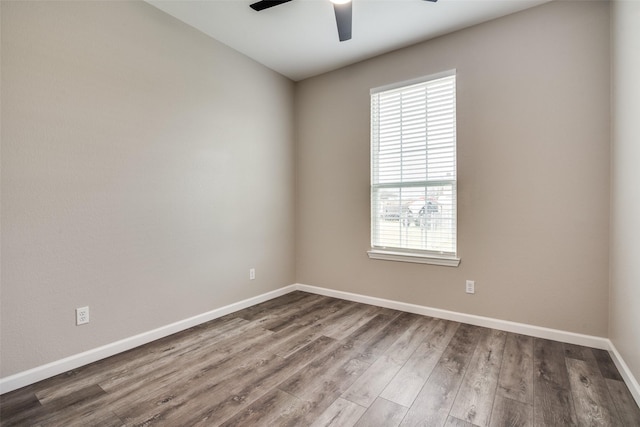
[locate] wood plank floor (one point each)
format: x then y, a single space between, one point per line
310 360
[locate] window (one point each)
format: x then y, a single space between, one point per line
413 171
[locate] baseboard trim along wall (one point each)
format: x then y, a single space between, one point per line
39 373
624 370
488 322
49 370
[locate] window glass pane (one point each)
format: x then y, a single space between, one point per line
421 218
413 175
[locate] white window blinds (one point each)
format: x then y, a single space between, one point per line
413 167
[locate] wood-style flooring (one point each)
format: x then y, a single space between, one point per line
309 360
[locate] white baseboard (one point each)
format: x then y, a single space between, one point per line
488 322
624 370
39 373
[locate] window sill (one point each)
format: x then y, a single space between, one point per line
444 260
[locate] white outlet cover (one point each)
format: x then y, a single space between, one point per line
471 287
82 315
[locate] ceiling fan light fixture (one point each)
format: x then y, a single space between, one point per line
342 9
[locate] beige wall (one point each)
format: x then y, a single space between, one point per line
625 176
533 152
145 169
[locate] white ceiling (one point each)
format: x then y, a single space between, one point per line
299 39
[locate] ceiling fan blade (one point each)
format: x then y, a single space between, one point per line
266 4
432 0
343 19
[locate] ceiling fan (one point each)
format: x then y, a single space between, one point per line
342 9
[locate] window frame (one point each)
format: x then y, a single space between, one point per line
449 259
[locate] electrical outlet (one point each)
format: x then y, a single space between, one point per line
82 315
471 287
252 274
